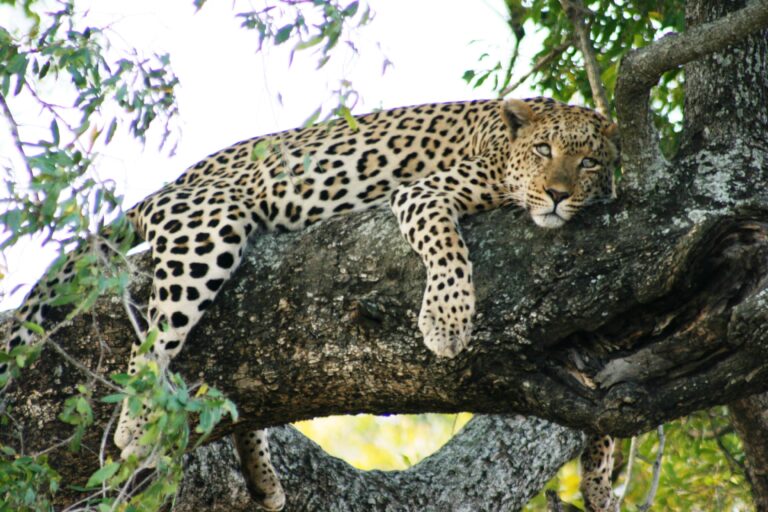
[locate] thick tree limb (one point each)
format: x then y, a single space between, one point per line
494 463
617 323
641 69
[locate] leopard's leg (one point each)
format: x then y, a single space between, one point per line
596 468
427 211
256 464
194 251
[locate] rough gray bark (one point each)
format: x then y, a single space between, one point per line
634 314
494 463
711 27
750 420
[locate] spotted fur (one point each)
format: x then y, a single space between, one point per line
596 470
432 163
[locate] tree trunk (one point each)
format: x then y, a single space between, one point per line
711 100
750 419
633 314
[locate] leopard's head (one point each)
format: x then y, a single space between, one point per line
563 158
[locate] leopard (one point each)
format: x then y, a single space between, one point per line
432 164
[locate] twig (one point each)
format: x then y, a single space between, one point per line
80 366
105 436
14 127
630 463
641 69
576 13
47 339
130 484
54 446
656 472
541 63
734 464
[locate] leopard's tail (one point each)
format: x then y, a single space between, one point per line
58 291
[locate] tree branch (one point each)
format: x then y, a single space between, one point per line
656 472
540 64
751 423
576 13
493 463
615 324
641 69
14 129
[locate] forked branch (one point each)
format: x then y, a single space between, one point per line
641 69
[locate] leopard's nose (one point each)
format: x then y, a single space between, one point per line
557 195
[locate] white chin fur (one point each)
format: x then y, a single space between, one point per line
548 220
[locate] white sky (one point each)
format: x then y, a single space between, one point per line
229 92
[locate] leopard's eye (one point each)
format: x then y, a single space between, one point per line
543 150
589 163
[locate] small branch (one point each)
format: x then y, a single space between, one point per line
717 434
511 66
576 13
14 127
641 69
656 473
630 463
80 366
540 64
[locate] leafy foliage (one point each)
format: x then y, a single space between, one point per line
702 468
616 27
87 92
313 25
57 60
26 482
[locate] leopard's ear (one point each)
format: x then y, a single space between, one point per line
611 131
516 114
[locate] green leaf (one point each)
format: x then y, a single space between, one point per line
83 407
312 119
113 398
149 342
313 41
111 131
283 34
35 328
102 474
346 114
55 132
260 150
351 9
121 379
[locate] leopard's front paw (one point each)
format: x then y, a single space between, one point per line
446 318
